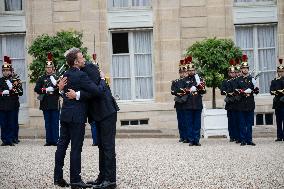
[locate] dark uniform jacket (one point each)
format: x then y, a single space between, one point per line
225 90
277 89
194 100
76 110
246 102
175 89
98 107
48 100
11 101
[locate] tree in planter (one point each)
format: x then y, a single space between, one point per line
57 45
211 57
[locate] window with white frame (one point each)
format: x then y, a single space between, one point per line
128 3
11 6
132 65
14 47
259 42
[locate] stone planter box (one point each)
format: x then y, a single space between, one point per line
214 123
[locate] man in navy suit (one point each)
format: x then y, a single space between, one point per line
73 118
102 111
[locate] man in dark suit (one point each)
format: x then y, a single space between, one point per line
102 111
73 118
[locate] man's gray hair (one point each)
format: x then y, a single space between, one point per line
71 55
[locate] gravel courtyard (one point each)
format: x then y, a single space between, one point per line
154 163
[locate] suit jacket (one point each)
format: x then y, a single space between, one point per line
76 110
99 107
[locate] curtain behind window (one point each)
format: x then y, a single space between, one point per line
121 76
15 47
143 65
266 36
244 39
118 3
13 5
265 51
140 3
1 55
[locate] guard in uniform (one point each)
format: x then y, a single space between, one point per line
46 88
229 100
195 88
235 101
277 89
180 100
246 88
10 90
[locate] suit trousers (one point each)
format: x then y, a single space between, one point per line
73 132
106 130
279 113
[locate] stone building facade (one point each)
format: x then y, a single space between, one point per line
139 44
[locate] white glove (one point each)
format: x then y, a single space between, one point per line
248 90
193 89
5 92
54 82
49 89
197 79
253 82
8 82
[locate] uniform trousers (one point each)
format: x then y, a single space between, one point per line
279 113
94 132
193 125
51 121
181 124
246 123
8 125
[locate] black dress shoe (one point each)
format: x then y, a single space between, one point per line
232 140
79 185
94 144
4 144
278 139
15 141
47 144
237 141
61 183
105 185
180 140
243 143
251 144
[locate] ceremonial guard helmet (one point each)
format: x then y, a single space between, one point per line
190 65
182 66
237 65
49 62
7 64
280 67
232 66
244 61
